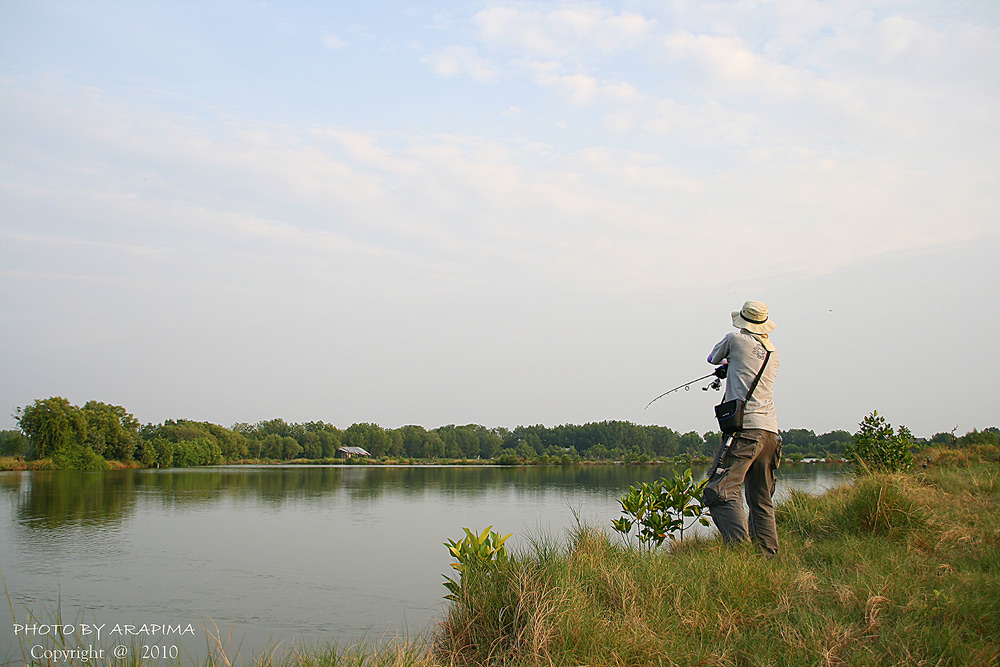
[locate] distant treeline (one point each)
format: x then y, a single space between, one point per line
85 437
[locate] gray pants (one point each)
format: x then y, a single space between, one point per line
749 464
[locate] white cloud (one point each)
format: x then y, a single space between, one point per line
331 41
582 89
454 205
454 60
734 70
708 124
559 32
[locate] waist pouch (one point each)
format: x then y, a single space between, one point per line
730 415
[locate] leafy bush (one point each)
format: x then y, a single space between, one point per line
876 448
661 509
507 458
76 456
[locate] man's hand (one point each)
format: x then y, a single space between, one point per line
720 371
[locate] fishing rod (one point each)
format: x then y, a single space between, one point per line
719 458
716 384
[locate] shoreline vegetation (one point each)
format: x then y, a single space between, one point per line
888 569
55 434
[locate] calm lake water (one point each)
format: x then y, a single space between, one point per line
285 556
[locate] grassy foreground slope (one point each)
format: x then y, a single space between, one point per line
892 570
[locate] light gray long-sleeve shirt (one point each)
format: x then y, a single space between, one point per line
745 354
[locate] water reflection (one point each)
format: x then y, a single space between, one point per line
49 499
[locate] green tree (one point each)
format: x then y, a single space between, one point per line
988 436
224 444
414 440
112 432
13 443
292 448
665 441
433 446
598 452
163 452
311 447
198 452
371 437
525 451
945 438
77 456
530 435
834 443
329 440
799 441
713 440
233 445
692 443
53 426
470 441
453 439
280 427
489 442
145 453
395 443
272 446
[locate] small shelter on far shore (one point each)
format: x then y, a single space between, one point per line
348 452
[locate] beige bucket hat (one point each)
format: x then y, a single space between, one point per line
753 318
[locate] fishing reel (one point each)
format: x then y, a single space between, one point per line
720 374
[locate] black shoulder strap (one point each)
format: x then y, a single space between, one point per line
759 373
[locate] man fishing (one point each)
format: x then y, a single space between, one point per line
748 457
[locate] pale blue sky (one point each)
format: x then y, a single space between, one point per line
494 212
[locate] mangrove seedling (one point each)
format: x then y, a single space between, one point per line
474 550
662 509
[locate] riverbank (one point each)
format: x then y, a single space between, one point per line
894 569
16 463
11 463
